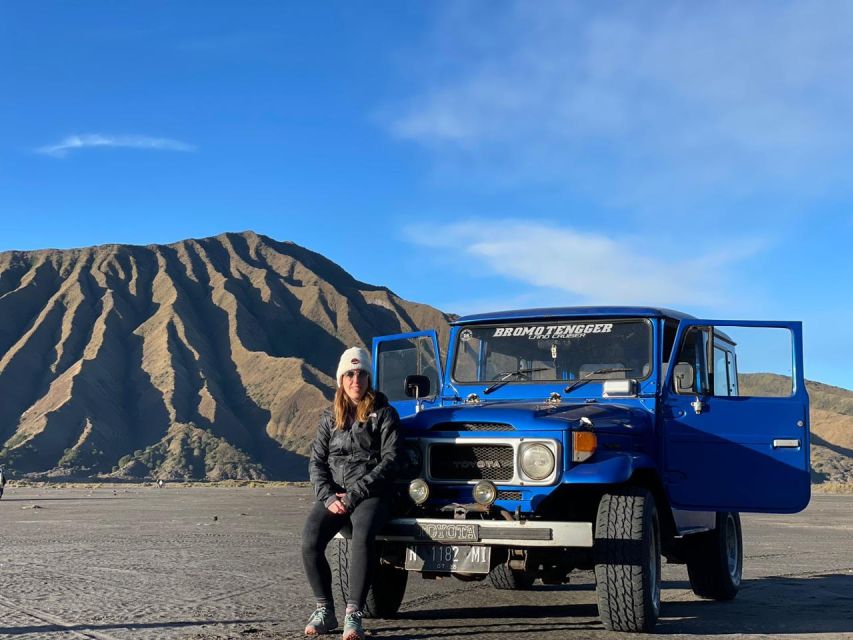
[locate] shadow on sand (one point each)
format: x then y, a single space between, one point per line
772 605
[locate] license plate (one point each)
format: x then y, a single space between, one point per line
448 557
449 532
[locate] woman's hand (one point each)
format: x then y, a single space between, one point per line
337 507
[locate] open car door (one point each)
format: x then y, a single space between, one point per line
727 443
404 354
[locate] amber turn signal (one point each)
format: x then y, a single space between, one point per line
584 444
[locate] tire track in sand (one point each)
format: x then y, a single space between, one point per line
41 616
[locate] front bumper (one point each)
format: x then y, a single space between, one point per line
529 533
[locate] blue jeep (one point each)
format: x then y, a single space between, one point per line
585 438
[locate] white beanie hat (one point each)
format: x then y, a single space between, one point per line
353 358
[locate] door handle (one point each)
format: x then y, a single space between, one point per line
786 443
698 405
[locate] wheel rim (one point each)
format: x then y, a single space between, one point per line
654 567
732 549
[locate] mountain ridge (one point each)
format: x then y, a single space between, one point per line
204 358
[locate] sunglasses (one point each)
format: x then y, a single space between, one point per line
349 375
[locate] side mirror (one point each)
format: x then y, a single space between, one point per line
619 388
416 386
684 377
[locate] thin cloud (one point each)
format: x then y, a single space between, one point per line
93 140
588 268
636 102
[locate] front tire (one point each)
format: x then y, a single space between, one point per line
628 560
386 589
715 559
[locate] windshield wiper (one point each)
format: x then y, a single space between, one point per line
505 376
597 372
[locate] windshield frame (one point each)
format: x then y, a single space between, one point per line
451 374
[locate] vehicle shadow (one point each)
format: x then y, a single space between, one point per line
776 604
499 620
501 612
772 605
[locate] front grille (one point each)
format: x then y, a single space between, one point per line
473 426
509 495
471 462
463 494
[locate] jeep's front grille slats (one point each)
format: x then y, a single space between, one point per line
509 495
458 494
471 462
472 426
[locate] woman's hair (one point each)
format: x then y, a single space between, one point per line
344 410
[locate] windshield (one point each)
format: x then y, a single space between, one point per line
553 351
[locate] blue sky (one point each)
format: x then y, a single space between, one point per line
471 155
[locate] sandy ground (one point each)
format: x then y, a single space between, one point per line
216 563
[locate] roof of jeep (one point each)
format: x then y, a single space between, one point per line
573 312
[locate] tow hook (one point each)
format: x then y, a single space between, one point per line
517 560
461 511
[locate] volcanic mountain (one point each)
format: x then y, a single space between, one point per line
208 358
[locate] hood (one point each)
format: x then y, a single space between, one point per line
530 416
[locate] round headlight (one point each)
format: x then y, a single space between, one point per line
418 491
537 461
485 492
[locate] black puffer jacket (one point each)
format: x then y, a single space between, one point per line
360 460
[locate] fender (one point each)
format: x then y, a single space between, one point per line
608 469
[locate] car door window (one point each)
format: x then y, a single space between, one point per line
764 362
400 358
692 352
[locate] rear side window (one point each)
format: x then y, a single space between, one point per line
725 380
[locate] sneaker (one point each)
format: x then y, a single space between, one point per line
353 630
323 620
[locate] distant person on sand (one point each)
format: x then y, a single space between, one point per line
352 466
2 481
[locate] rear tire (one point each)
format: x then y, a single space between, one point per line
502 577
628 560
715 559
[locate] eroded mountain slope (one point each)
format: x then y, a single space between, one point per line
205 358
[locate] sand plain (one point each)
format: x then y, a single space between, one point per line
142 563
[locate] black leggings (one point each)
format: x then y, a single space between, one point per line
321 526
